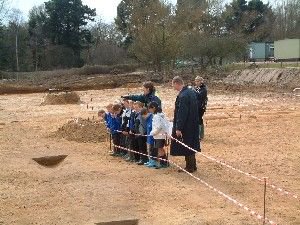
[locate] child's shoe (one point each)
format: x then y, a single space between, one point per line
152 163
140 162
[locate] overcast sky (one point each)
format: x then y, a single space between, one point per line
106 9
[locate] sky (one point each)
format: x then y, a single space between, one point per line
106 9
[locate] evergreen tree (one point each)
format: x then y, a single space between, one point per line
66 22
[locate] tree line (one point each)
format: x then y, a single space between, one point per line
65 33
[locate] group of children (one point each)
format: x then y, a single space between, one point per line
136 127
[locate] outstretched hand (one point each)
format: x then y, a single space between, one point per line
125 97
178 133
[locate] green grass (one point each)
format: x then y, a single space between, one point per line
275 65
83 71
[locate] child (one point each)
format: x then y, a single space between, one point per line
132 143
102 115
125 127
141 128
108 116
150 142
115 126
160 128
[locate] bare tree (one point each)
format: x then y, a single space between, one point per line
15 21
287 23
105 48
4 6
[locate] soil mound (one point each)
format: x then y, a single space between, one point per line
82 130
61 98
276 77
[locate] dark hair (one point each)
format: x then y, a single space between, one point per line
155 106
116 107
149 85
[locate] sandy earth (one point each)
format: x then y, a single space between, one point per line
257 133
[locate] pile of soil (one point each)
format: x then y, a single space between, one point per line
82 130
61 98
277 77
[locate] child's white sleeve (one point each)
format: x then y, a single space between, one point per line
155 126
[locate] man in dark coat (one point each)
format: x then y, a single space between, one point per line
185 124
201 91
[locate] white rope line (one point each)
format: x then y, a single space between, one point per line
252 212
276 188
238 170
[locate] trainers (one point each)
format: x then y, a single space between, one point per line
152 163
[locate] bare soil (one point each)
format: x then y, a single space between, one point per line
288 77
61 98
255 132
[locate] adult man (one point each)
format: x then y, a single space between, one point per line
201 90
185 124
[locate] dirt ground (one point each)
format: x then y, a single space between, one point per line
255 132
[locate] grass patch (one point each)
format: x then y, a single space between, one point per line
275 65
83 71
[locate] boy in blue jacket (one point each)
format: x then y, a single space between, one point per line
152 163
115 126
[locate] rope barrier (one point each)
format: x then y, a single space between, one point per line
276 188
242 206
238 170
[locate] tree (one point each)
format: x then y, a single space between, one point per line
106 45
3 9
253 20
66 22
15 23
38 40
207 50
4 48
287 19
150 31
205 40
190 13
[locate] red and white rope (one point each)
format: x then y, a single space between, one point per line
281 190
238 170
252 212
